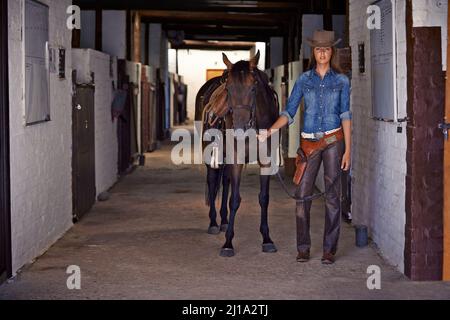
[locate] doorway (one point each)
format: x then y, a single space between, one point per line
5 207
212 73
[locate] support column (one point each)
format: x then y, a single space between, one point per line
128 35
446 268
424 157
299 38
147 44
327 16
98 29
136 37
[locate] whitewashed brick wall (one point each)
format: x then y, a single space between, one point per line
86 61
41 155
379 152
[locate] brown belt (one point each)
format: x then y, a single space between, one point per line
309 147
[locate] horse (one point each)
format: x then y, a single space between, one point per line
250 104
215 176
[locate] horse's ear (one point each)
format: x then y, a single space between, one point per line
255 60
227 61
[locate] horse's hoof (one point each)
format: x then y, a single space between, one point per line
224 228
227 253
213 230
269 248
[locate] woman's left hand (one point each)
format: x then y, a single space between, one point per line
346 161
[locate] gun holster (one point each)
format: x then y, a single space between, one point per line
300 164
309 148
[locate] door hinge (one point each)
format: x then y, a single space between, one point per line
444 127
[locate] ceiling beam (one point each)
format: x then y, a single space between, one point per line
304 6
194 5
218 18
301 6
218 45
282 25
272 31
236 37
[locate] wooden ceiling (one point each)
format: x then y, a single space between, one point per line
223 20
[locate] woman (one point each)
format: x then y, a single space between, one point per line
326 136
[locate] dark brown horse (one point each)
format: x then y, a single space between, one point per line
250 104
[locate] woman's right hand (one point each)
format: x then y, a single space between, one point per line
280 123
263 135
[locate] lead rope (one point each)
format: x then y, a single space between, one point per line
308 198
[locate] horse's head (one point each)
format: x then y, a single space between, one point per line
241 89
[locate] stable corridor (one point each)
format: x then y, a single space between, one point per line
149 241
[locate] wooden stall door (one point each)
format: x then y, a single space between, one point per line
160 107
83 151
5 208
145 119
153 119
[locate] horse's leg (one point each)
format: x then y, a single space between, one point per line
213 180
268 245
226 175
235 202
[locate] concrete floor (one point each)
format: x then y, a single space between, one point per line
149 241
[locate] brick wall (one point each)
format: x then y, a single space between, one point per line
379 152
106 144
41 155
424 184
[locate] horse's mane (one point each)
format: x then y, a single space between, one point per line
268 92
239 70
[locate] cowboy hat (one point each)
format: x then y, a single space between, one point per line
323 38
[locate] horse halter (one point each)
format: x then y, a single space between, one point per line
251 109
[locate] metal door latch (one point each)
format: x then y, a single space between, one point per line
444 127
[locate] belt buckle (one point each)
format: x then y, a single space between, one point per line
319 135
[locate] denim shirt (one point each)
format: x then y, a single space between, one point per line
327 101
